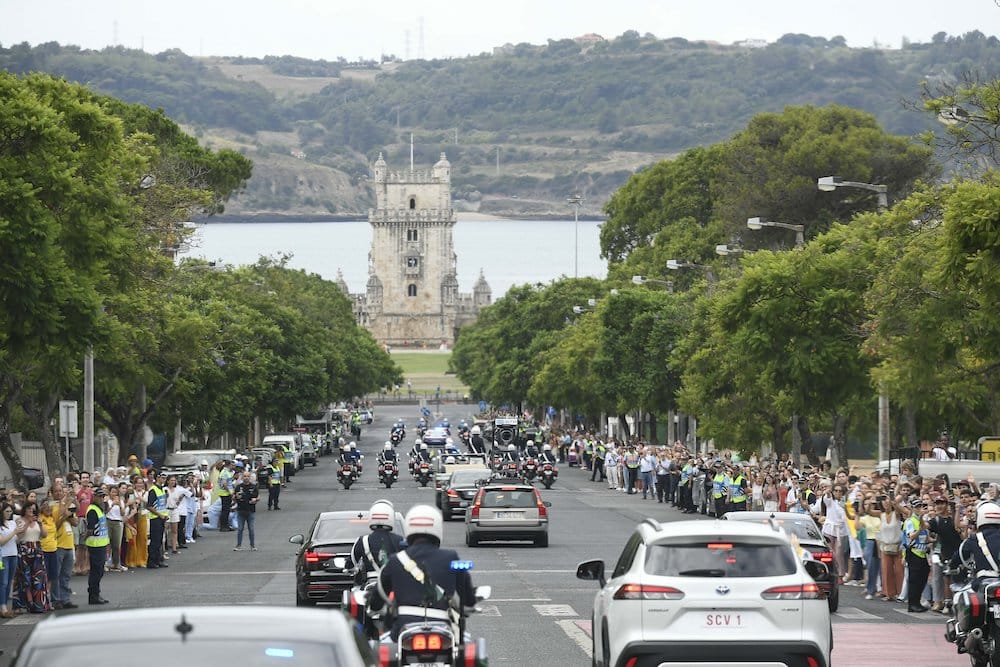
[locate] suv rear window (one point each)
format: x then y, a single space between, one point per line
509 499
720 559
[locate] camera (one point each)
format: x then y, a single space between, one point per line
880 499
505 430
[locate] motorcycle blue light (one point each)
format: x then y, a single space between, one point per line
279 653
461 564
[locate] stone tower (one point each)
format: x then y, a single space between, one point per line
412 298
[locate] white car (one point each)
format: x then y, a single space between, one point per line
709 592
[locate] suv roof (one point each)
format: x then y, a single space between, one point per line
653 530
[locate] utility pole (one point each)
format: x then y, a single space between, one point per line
498 160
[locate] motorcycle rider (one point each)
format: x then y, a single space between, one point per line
415 451
547 456
420 579
530 450
980 552
476 440
372 551
388 454
424 455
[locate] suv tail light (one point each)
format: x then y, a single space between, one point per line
647 592
798 592
474 512
823 556
452 493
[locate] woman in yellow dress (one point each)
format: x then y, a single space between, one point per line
138 527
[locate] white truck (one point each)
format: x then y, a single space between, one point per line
982 462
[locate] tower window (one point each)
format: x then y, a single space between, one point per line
411 235
411 290
413 203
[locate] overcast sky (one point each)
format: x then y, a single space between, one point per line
329 29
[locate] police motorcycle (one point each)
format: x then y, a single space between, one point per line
974 627
396 435
421 427
349 466
510 468
420 466
548 473
440 638
388 471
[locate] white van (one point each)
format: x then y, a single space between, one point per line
291 441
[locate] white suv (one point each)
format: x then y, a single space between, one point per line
710 592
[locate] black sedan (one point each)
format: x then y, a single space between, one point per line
197 636
461 489
323 565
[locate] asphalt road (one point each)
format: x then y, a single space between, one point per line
539 612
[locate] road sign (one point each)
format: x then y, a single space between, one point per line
67 419
482 406
426 412
552 411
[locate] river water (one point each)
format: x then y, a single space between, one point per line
509 252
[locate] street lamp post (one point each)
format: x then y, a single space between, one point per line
760 223
724 250
642 280
677 264
757 224
575 201
828 184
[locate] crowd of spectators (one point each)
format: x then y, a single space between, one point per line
43 537
892 534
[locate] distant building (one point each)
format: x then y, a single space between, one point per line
752 43
589 39
412 298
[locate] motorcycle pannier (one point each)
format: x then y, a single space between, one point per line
970 610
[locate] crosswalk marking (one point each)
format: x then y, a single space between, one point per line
855 614
554 610
25 619
577 634
488 610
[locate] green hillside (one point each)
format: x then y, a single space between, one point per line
563 117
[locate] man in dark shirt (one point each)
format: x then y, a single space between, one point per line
942 524
246 495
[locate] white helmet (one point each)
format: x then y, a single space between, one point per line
340 441
423 520
381 514
352 446
987 514
546 447
450 459
423 447
204 462
476 430
530 443
449 442
952 452
387 447
388 444
510 448
417 442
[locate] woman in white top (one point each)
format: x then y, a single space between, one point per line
757 493
8 555
835 527
890 541
116 519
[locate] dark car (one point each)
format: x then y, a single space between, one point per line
197 637
460 490
810 538
323 565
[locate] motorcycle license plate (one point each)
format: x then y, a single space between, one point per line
428 664
995 609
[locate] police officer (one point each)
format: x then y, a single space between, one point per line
737 490
511 455
226 495
530 450
388 454
275 475
720 484
547 456
600 451
424 455
476 440
421 579
156 504
372 551
916 542
980 553
97 545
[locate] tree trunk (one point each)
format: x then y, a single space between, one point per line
840 440
8 394
778 434
652 428
910 424
807 446
41 414
623 425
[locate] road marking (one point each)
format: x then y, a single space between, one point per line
554 610
854 613
25 619
520 599
229 573
576 633
488 610
524 573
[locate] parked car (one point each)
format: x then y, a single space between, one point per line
711 592
197 637
809 537
507 512
323 564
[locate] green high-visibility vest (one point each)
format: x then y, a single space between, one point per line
100 537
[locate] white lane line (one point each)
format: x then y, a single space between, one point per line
475 571
574 632
229 573
521 600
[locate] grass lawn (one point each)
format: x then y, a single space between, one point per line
427 371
